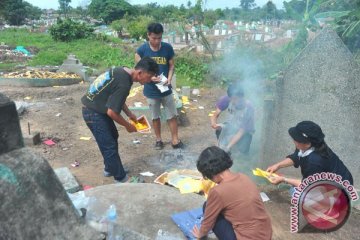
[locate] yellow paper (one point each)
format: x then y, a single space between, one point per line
264 174
85 138
210 114
189 185
182 111
135 91
27 98
142 124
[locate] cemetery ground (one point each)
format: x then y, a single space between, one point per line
55 112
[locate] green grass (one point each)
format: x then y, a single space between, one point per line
92 52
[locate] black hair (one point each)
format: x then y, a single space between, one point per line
155 28
148 65
322 149
212 161
235 90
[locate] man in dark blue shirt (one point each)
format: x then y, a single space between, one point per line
156 95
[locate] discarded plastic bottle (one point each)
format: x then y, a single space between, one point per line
111 220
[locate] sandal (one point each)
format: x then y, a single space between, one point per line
178 145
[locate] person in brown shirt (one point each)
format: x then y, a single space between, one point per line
234 209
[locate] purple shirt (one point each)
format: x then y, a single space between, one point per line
243 118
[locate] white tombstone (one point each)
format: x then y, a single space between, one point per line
258 36
267 37
288 34
230 32
223 32
219 45
266 29
217 32
199 48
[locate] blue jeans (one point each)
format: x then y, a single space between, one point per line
106 135
223 229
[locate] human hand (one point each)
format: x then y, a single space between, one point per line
132 117
273 168
196 232
216 126
276 179
130 128
156 79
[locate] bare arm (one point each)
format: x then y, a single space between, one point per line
120 120
287 162
235 138
128 113
171 70
214 117
137 58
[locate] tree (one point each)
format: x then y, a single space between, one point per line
119 26
270 10
247 4
68 30
15 12
109 10
64 6
137 26
32 12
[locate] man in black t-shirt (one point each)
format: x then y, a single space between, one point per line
103 103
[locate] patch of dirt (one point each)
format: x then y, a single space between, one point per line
45 104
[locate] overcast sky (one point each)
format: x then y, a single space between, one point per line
210 3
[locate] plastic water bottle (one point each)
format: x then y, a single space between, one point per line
111 220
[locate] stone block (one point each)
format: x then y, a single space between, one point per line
10 131
67 180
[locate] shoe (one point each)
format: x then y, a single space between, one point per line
108 174
159 145
178 145
126 179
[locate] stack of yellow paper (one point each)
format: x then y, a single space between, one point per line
264 174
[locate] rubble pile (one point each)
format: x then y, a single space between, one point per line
40 74
7 54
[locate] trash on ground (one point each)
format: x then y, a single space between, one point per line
75 164
27 98
85 138
49 142
138 104
201 107
136 141
58 115
135 91
211 114
147 174
264 197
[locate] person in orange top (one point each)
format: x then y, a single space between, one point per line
234 209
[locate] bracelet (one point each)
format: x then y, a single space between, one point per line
285 179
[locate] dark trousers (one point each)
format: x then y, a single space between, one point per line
223 229
106 135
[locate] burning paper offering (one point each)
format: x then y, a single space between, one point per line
142 125
264 174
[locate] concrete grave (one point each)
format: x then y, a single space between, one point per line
34 205
71 64
323 85
67 180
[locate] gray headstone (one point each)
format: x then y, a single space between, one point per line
34 205
321 85
67 180
10 132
